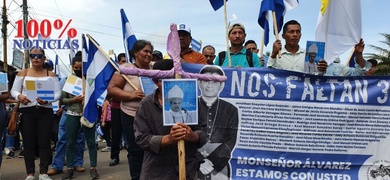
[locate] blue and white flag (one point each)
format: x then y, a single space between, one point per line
98 75
55 105
128 35
84 54
3 82
101 99
57 68
46 95
216 4
351 60
72 52
41 38
280 7
196 45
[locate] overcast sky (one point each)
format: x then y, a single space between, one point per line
150 20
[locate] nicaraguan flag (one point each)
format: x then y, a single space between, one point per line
46 39
77 90
280 7
72 52
41 38
196 45
46 95
351 61
84 54
216 4
98 76
339 25
55 106
128 35
101 99
57 68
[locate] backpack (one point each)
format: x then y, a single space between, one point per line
222 54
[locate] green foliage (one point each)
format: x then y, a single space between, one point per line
382 56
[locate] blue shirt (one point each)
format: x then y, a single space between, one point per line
239 59
337 69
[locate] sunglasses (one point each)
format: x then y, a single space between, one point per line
40 56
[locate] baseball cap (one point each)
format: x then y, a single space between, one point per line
157 53
236 26
183 27
48 63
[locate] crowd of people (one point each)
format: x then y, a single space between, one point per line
126 112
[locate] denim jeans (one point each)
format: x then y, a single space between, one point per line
135 154
59 158
73 126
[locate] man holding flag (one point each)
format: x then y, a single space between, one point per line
278 8
292 56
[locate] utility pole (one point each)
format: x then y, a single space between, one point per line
4 32
25 21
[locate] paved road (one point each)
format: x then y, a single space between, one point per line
14 168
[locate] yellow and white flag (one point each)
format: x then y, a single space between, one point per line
73 85
40 89
339 25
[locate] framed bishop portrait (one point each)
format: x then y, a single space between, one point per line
180 101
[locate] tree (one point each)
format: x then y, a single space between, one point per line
382 56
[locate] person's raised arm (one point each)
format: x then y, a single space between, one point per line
359 47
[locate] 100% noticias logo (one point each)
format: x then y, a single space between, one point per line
43 31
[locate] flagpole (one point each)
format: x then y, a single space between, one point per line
262 44
82 75
262 48
349 57
276 30
227 33
110 61
181 152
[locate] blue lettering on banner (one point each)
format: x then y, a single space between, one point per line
272 84
46 44
298 126
258 164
